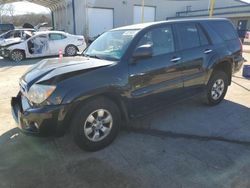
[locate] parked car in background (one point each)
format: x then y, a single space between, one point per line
6 27
127 72
15 36
247 37
16 33
45 43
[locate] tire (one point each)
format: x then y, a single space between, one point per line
216 88
71 50
17 55
85 124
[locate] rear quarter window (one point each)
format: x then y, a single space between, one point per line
224 29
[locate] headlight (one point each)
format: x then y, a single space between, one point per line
39 93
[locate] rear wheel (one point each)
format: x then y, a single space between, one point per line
17 55
96 124
216 88
71 50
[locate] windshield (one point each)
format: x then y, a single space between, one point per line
111 45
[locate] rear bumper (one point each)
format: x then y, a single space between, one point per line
37 121
82 47
238 63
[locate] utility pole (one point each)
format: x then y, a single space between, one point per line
211 10
86 29
142 11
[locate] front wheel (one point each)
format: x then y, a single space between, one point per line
216 88
96 124
17 55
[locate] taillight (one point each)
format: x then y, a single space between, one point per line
247 35
81 40
241 47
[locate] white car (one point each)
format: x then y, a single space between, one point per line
15 36
45 43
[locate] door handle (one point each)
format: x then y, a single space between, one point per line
176 59
207 51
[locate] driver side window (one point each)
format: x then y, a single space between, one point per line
161 40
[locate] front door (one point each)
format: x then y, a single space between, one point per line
38 46
155 80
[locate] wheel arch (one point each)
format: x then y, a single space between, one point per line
224 65
114 97
70 45
18 49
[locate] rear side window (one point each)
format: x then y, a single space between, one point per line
224 29
56 36
188 35
203 37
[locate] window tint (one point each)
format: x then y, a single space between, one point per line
203 37
188 36
224 29
161 40
56 36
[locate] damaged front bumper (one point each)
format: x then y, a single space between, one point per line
36 120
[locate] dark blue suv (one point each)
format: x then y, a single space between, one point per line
125 73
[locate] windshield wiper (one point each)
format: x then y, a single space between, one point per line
92 56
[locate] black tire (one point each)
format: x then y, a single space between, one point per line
216 76
81 118
17 55
71 50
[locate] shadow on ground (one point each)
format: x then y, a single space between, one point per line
7 63
186 145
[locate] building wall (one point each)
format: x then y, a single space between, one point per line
63 19
123 11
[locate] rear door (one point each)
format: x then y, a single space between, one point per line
196 49
155 80
57 41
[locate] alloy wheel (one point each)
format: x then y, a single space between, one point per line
16 56
217 89
71 50
98 125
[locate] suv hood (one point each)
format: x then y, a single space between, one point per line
51 68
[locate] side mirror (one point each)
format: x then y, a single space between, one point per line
143 51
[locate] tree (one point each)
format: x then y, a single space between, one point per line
6 9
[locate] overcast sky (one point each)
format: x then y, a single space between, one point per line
24 7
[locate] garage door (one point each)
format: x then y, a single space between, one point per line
99 21
149 14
